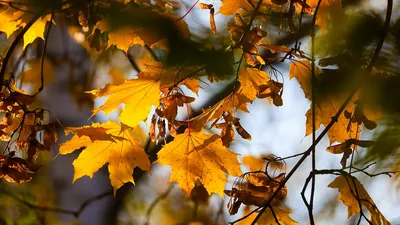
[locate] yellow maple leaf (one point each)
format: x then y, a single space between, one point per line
194 155
36 30
33 73
329 10
123 38
250 81
170 76
254 163
137 94
347 186
230 7
106 143
326 107
146 33
11 21
282 214
8 27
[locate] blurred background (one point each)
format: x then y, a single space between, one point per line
152 200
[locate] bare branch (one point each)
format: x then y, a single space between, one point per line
76 213
274 215
156 201
336 116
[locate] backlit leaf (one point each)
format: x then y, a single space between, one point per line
327 105
282 214
347 186
251 80
230 7
106 143
137 94
198 155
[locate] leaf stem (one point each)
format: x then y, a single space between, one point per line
43 53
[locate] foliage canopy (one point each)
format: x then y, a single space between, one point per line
347 71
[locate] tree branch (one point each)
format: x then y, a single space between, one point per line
156 201
43 53
334 118
14 44
76 213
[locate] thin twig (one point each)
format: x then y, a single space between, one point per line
91 200
303 196
156 201
15 43
43 53
185 77
190 9
357 196
334 118
313 104
284 158
76 213
274 215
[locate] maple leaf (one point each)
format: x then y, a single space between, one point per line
267 218
123 38
36 30
137 94
282 214
12 20
329 10
251 80
230 7
106 143
169 77
327 105
347 186
135 25
254 163
194 155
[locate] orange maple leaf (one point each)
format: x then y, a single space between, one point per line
347 186
251 80
327 104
